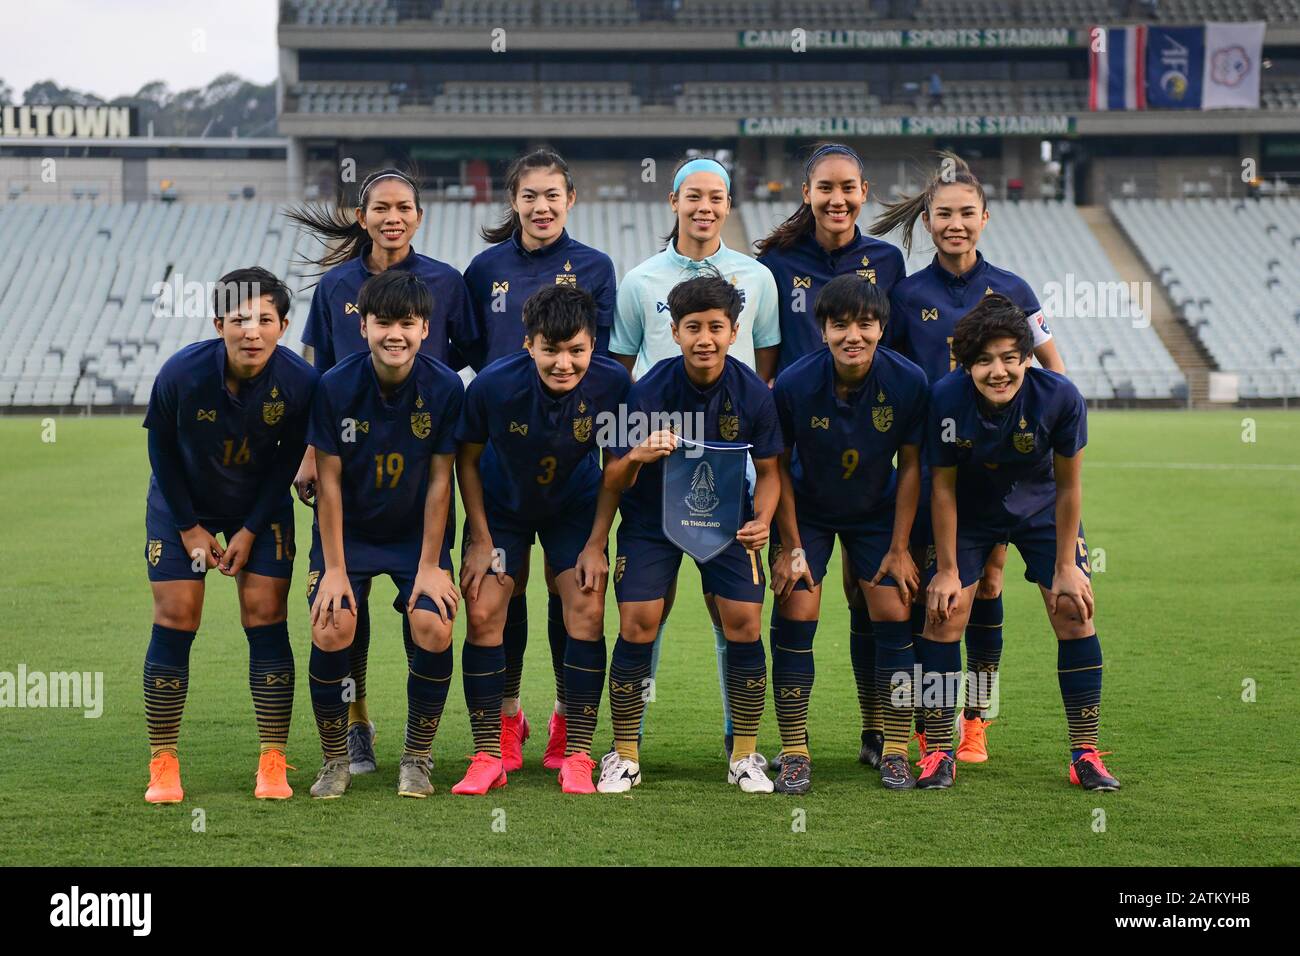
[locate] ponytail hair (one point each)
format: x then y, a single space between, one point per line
904 213
671 238
801 222
542 158
341 235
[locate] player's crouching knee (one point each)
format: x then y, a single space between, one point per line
586 622
430 631
329 637
478 615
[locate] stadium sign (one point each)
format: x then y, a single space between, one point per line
67 122
1047 124
1000 38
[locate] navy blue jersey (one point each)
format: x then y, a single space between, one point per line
386 446
842 449
924 309
334 322
1004 460
541 454
501 278
802 270
738 407
225 446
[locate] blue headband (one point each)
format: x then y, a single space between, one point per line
826 151
701 166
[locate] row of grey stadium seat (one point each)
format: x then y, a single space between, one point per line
758 14
740 99
102 268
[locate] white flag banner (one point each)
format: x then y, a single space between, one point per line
1232 65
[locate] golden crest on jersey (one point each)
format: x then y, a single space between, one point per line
929 315
1023 441
210 415
500 287
312 578
154 551
421 422
803 282
728 424
882 416
865 272
350 308
516 428
582 429
273 411
567 277
823 423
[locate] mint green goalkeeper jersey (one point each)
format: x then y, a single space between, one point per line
643 324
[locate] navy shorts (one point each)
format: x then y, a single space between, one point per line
647 565
399 559
167 560
866 542
563 537
1034 538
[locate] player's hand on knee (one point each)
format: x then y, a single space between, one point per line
941 596
753 535
592 569
436 584
237 552
898 564
476 566
789 567
1070 582
327 609
199 539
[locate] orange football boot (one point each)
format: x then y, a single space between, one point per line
164 779
485 773
973 747
272 783
575 773
557 737
514 731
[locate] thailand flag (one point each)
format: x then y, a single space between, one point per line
1116 78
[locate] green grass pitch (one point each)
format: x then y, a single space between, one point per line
1198 596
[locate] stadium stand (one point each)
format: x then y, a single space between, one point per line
1107 356
98 273
483 13
965 13
348 13
1200 11
102 283
322 97
1277 11
1239 292
586 14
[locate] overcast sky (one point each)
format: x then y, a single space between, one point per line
113 47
